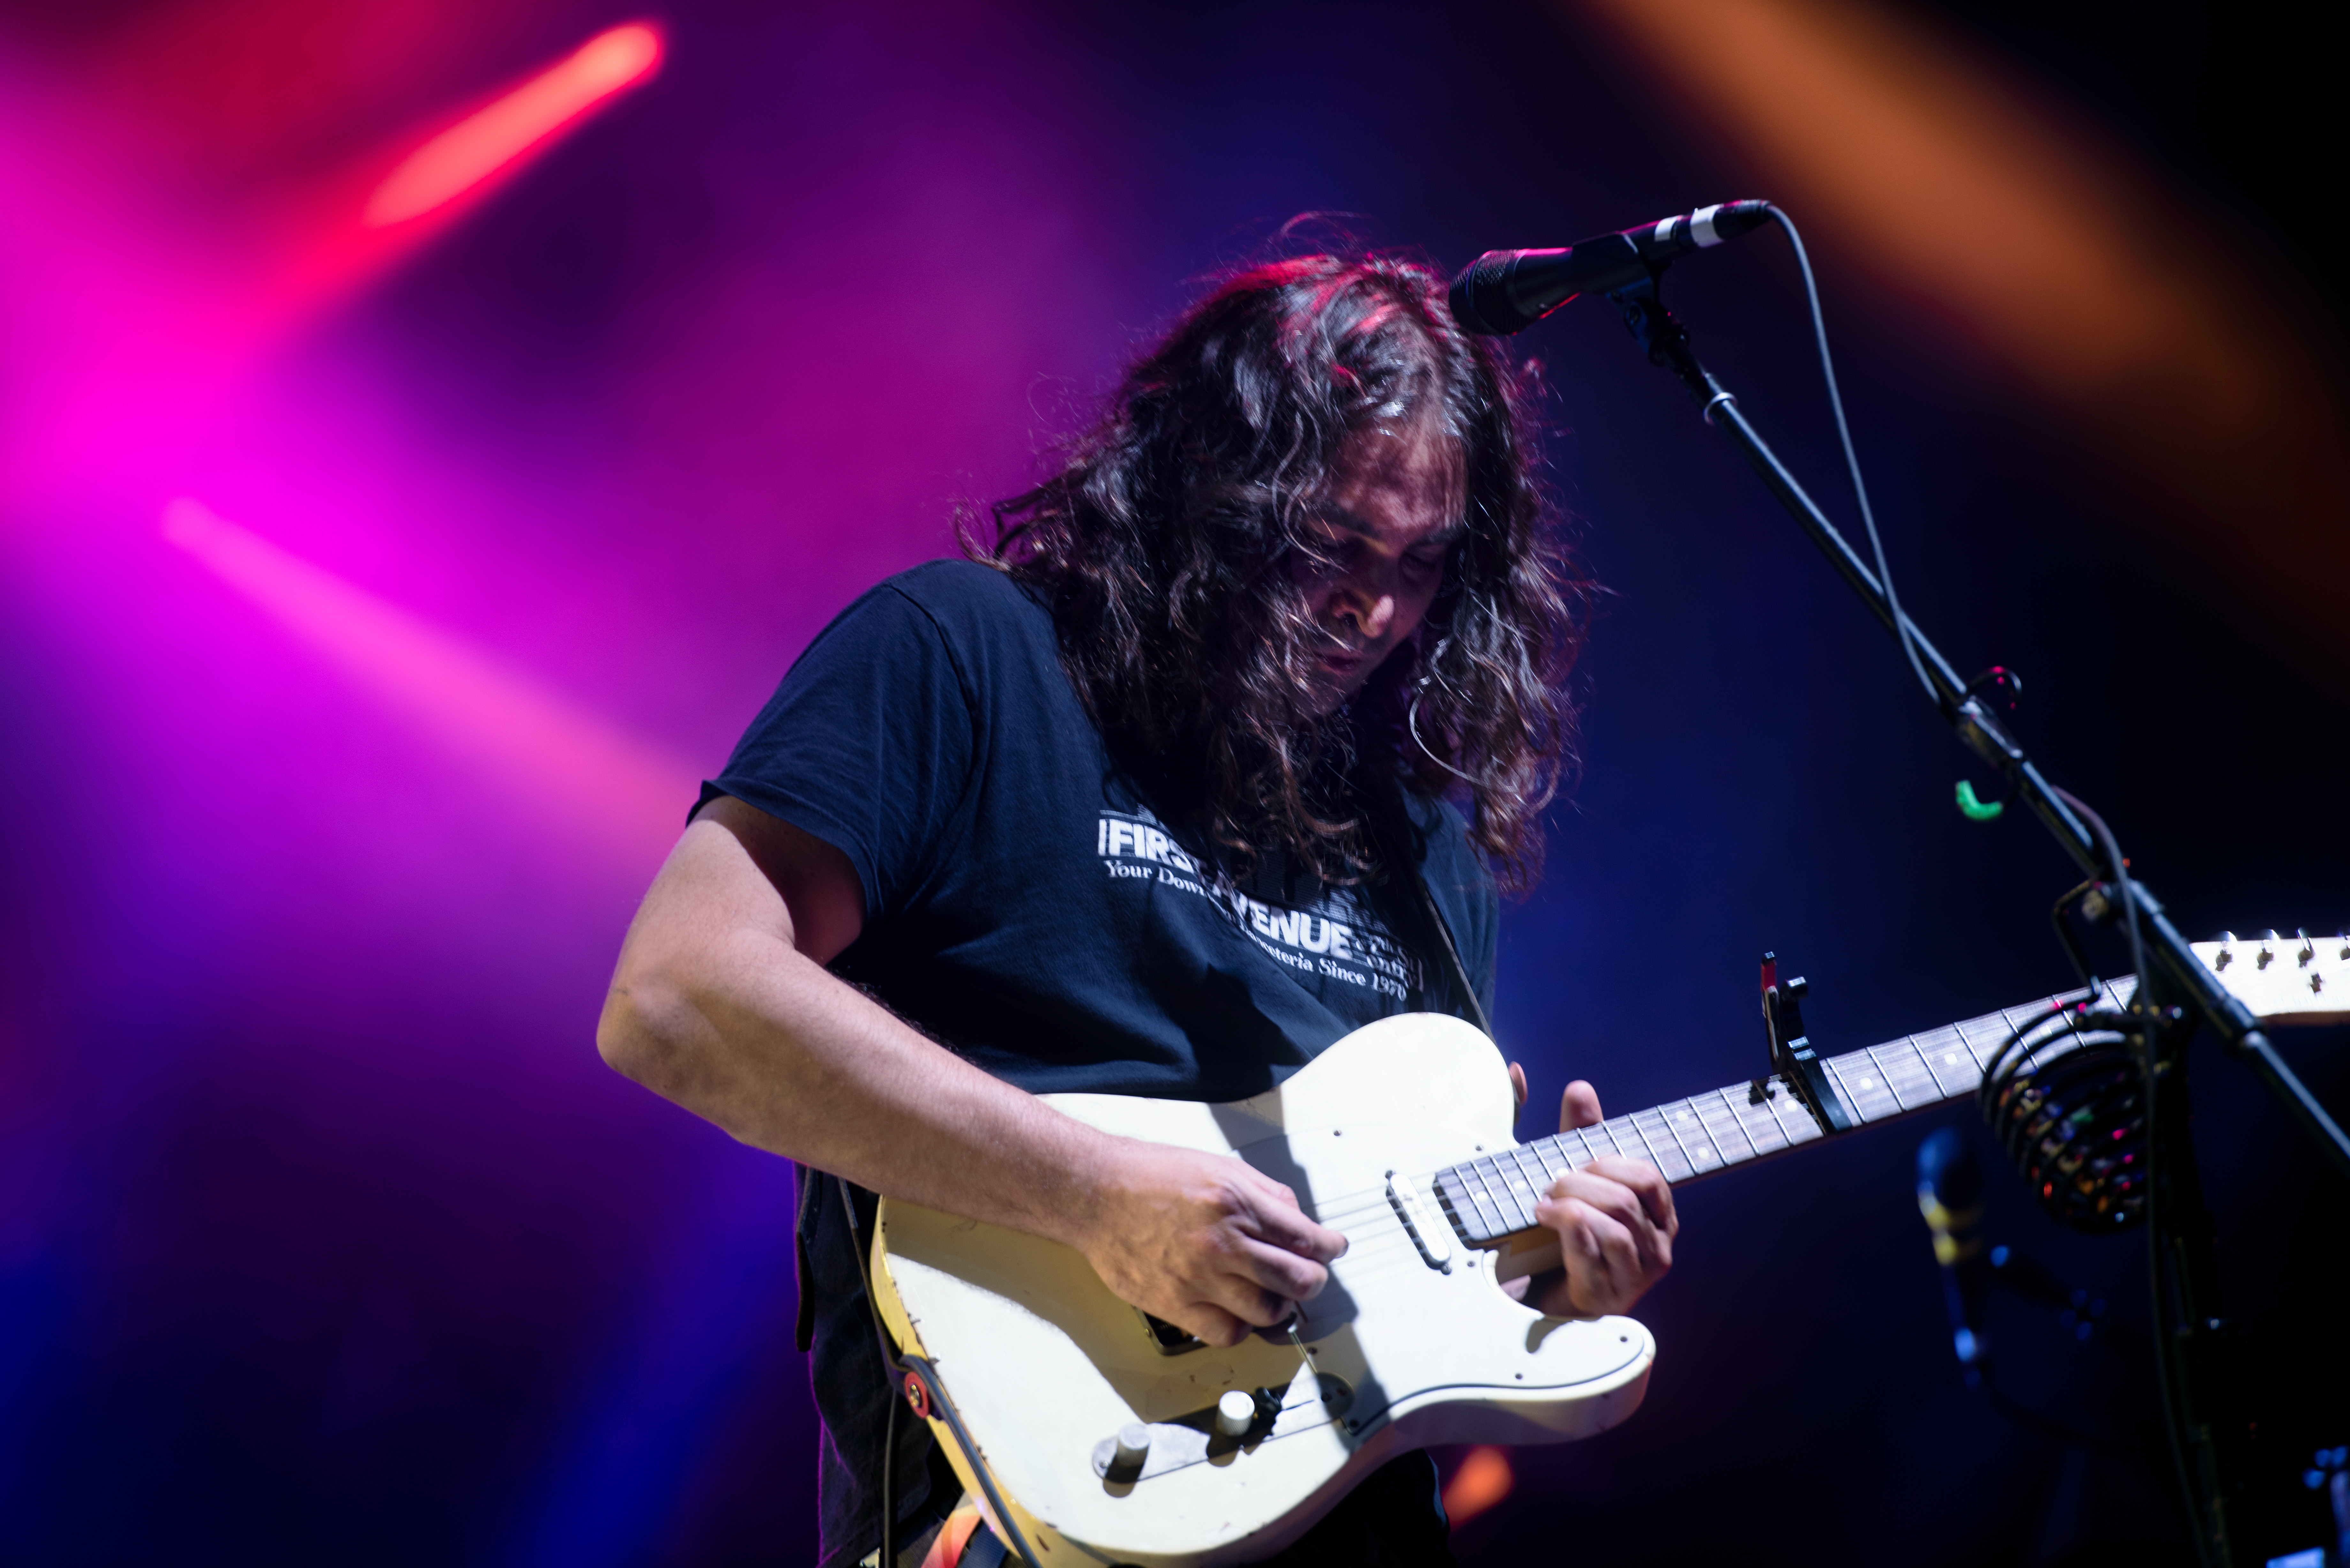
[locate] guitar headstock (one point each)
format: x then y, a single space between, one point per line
2299 978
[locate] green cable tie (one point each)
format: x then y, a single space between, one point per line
1978 810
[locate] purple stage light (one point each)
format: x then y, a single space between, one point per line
618 793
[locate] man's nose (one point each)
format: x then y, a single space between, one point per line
1368 605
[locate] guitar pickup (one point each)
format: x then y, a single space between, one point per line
1435 1246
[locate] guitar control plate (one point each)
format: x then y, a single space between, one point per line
1192 1438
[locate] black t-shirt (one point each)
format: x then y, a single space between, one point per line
1025 907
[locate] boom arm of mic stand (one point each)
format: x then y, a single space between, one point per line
1667 343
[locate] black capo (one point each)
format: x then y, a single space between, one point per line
1791 1056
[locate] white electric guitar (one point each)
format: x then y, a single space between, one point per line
1107 1437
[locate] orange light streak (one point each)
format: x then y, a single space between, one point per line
496 137
571 768
1483 1480
1944 180
2058 253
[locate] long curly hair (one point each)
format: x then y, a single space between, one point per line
1165 545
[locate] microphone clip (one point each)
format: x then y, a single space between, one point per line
1652 325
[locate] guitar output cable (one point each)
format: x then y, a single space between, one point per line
898 1365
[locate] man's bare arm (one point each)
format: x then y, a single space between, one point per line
721 1003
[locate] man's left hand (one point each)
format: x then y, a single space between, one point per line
1615 1223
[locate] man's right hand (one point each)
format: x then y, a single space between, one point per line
1203 1241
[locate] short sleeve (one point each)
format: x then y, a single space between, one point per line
866 745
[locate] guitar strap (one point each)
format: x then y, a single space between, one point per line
804 1180
1395 828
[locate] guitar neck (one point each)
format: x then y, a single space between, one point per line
1493 1197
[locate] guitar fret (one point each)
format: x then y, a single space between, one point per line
1561 1158
1476 1216
1530 1182
1694 1114
1530 1177
1753 1120
1728 1117
1496 1195
1887 1094
1792 1116
1876 1089
1673 1160
1486 1200
1905 1074
1551 1156
1648 1149
1693 1159
1517 1208
1845 1087
1795 1120
1863 1091
2014 1018
1982 1036
1945 1056
1938 1090
1626 1138
1525 1184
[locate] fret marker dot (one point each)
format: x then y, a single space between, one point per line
1868 1082
1950 1056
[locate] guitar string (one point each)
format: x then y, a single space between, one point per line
1620 1132
1682 1120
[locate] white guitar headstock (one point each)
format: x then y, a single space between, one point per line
2299 978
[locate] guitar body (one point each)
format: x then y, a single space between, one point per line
1045 1366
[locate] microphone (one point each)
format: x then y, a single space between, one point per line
1950 1196
1504 292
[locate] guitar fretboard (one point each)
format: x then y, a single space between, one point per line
1493 1197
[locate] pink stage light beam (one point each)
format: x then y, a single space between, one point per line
571 768
498 137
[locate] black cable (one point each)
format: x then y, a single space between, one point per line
889 1554
1851 457
895 1364
2157 1265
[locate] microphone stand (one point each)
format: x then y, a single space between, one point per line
2196 1357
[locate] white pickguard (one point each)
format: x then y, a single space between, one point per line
1044 1366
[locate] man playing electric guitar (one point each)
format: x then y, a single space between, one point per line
1216 751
